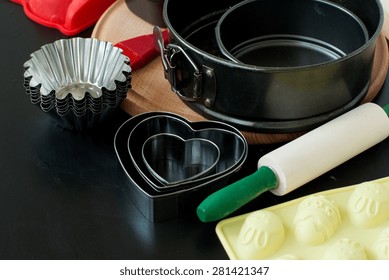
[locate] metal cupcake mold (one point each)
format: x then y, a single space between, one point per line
78 79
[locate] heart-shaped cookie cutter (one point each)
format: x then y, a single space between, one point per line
174 160
230 143
157 206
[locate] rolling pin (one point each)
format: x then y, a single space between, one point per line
302 160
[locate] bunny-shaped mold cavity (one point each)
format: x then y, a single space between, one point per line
368 205
316 220
261 235
380 248
345 249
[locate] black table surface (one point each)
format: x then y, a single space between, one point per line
63 194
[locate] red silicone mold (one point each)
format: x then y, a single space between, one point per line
68 16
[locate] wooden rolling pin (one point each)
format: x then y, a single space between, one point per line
303 159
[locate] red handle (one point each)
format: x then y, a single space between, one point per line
140 50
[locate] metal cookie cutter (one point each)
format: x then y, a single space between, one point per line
156 205
227 140
173 160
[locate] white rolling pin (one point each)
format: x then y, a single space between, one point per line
303 159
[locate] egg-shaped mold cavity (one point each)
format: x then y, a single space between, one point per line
380 248
261 235
345 249
368 205
316 220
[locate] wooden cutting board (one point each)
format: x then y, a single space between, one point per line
151 91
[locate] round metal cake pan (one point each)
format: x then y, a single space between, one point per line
255 98
301 34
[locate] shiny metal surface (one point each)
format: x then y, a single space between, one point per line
155 204
77 80
174 160
230 141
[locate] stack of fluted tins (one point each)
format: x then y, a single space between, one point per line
79 81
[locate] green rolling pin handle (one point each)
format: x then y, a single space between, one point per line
386 109
225 201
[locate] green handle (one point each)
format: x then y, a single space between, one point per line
227 200
386 109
